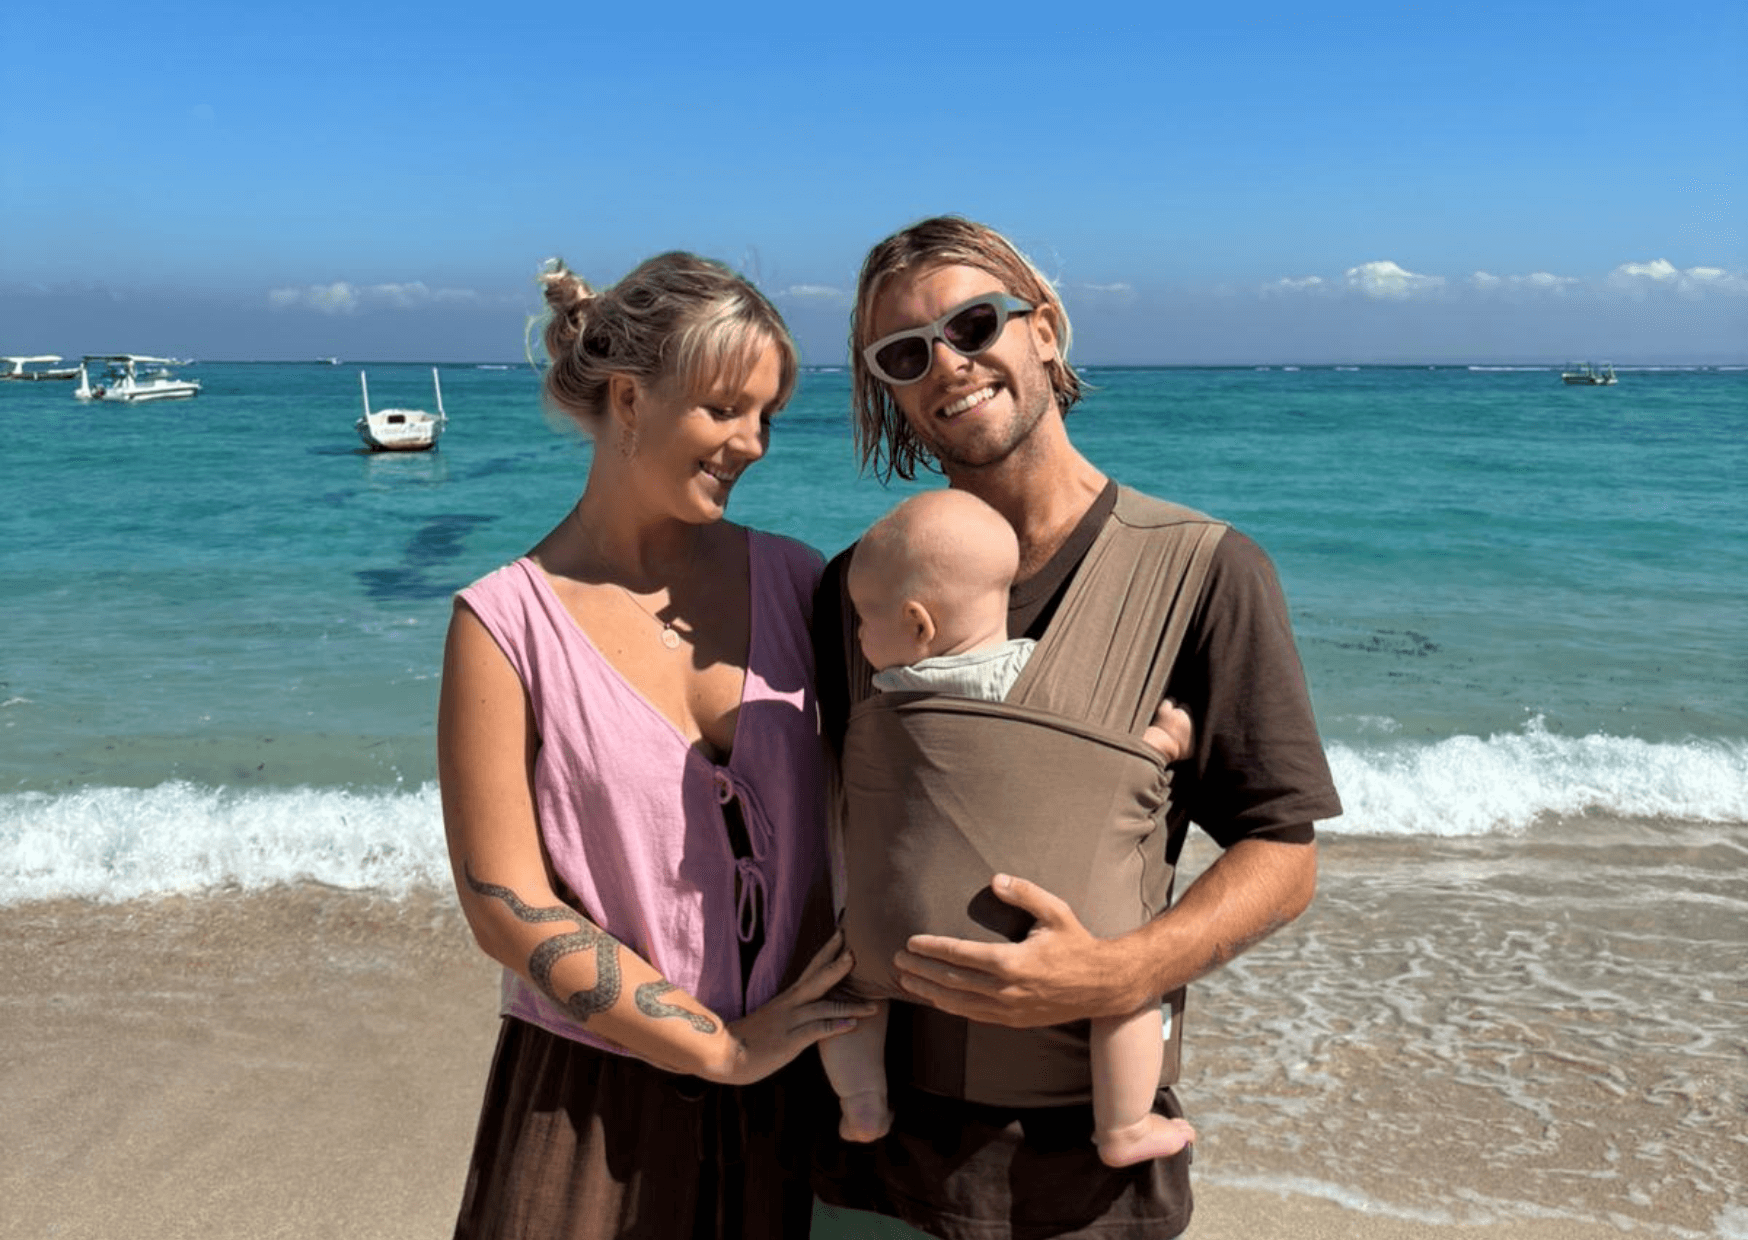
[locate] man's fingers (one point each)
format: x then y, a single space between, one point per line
953 1002
1023 893
953 966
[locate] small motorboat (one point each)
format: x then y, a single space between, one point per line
1587 375
133 378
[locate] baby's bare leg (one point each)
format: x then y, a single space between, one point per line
1126 1052
1170 732
855 1062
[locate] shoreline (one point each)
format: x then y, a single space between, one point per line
308 1061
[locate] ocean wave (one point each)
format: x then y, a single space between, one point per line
124 843
1469 785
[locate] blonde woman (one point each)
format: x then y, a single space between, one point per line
633 782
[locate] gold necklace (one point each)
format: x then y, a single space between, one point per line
669 637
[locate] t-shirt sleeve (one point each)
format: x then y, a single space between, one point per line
1258 768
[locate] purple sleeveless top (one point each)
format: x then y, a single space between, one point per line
631 815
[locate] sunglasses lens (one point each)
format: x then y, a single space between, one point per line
904 360
973 329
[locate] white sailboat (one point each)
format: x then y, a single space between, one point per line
123 380
400 430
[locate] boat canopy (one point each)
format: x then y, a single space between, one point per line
25 361
137 359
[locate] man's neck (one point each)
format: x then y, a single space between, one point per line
1043 490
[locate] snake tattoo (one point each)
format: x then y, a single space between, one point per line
584 1003
648 1002
586 937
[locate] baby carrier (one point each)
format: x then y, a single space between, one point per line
939 793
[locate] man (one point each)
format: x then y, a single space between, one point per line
960 359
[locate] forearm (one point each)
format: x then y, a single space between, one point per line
600 983
1250 891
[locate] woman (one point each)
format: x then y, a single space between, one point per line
632 791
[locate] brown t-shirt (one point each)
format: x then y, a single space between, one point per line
1257 771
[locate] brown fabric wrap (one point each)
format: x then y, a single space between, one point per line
939 793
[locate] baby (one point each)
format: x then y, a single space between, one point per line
930 584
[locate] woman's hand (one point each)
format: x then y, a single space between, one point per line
765 1040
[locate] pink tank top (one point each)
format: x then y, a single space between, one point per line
632 815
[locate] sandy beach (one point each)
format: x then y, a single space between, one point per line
307 1062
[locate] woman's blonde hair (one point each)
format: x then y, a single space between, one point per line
884 440
675 317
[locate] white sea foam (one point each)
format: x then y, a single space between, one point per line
121 843
1467 785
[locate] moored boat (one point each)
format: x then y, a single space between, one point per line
36 369
132 378
400 430
1588 374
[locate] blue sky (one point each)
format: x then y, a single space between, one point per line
1247 182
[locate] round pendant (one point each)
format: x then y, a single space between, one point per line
670 639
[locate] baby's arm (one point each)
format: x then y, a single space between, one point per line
1170 732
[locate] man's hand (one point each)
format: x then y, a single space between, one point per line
1059 972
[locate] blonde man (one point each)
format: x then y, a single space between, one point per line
960 356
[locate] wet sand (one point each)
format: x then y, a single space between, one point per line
307 1062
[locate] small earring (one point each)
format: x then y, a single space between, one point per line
628 442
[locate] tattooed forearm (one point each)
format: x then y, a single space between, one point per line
581 1004
523 912
647 998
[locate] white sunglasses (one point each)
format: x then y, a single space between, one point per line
968 329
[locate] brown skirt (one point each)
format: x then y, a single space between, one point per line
574 1142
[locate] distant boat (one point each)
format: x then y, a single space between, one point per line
1586 374
124 382
19 368
400 430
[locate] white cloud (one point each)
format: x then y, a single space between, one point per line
342 297
821 293
1296 284
1117 294
336 298
1662 276
1535 282
1385 280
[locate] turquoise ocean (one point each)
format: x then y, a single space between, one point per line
1521 606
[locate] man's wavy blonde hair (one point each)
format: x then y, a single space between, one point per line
884 440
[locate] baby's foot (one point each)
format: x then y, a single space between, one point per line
866 1117
1151 1136
1170 732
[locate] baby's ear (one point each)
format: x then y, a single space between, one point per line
921 626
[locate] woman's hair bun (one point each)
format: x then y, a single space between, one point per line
567 298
